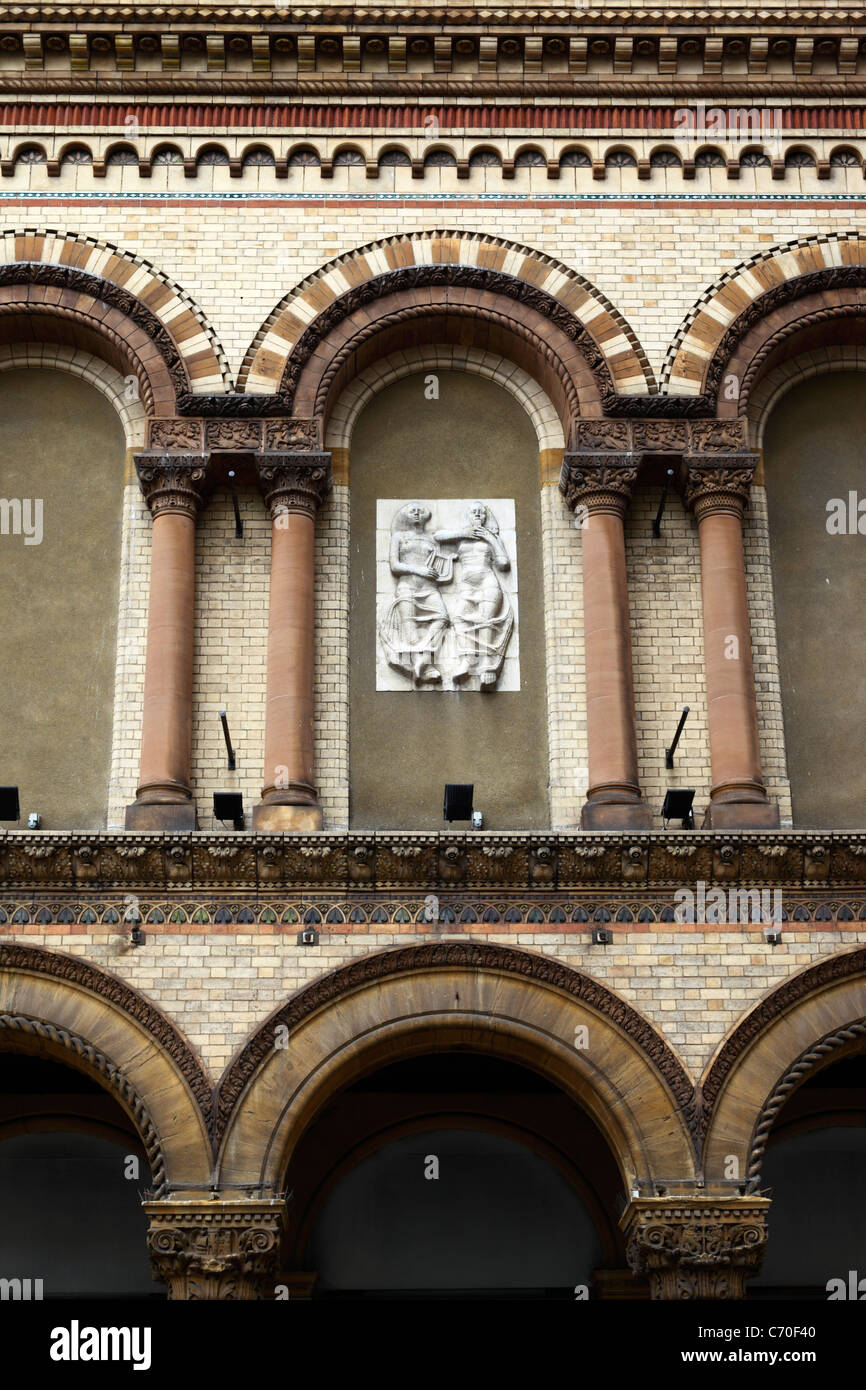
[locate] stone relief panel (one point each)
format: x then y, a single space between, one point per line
446 595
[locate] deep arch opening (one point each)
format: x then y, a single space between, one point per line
813 1169
73 1170
454 1173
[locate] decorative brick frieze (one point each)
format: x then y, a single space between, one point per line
659 436
832 863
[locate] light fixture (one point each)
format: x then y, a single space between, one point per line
602 936
229 806
678 806
230 752
669 752
477 820
458 801
9 807
308 937
34 820
773 935
657 523
239 525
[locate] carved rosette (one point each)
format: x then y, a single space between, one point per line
718 483
599 482
172 482
696 1247
293 482
215 1250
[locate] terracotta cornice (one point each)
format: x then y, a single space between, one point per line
401 862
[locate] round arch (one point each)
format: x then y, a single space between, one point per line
492 1000
745 316
63 1007
806 1023
61 288
561 328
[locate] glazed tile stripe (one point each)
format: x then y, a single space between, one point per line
458 199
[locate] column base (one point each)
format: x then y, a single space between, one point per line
616 815
172 817
273 818
742 815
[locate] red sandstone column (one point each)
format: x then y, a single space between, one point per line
601 485
173 488
717 489
293 486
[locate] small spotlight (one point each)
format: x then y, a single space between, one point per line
477 820
34 820
9 808
137 937
458 801
229 806
678 806
308 937
773 935
602 936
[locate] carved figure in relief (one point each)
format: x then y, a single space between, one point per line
481 613
415 623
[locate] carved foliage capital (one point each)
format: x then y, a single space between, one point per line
226 1251
293 482
696 1248
718 483
172 482
599 482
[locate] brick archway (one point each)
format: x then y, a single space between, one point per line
742 323
65 289
511 299
63 1007
491 999
805 1023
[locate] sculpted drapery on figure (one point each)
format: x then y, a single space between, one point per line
478 610
482 615
415 624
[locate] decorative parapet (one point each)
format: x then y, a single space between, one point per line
413 861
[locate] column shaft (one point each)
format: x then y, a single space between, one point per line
717 491
598 488
173 488
294 486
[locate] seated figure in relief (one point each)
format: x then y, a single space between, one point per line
415 623
481 613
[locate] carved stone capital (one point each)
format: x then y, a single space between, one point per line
598 482
172 482
293 482
215 1250
696 1247
718 483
